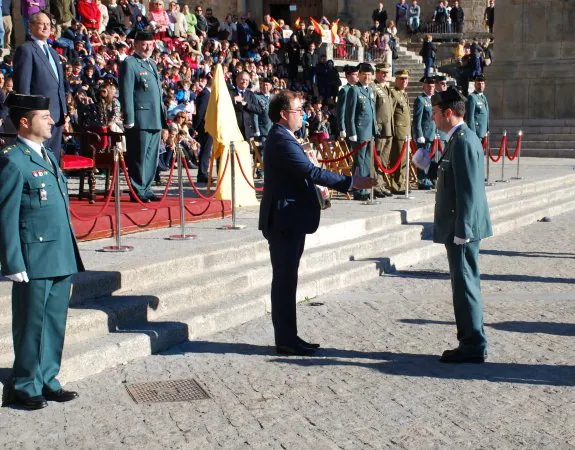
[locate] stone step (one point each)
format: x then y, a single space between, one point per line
536 122
549 153
533 130
557 137
141 339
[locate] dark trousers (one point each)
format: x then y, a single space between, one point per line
55 142
467 304
362 160
142 147
206 142
285 253
39 312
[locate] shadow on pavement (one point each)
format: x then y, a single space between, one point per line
527 254
441 275
400 364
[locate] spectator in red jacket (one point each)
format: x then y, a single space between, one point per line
89 14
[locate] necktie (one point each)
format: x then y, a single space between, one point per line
51 60
45 156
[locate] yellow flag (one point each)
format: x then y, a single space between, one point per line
221 120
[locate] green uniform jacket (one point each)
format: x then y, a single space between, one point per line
36 235
401 114
341 98
423 124
460 202
477 114
360 113
141 94
383 109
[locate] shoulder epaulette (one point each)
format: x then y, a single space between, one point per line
8 149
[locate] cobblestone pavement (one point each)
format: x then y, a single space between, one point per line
376 383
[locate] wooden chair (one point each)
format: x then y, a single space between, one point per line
258 160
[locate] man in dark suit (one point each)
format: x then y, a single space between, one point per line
38 71
380 14
38 252
204 138
461 220
261 123
245 105
289 210
144 114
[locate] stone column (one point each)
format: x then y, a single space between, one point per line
532 79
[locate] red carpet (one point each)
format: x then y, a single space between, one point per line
135 218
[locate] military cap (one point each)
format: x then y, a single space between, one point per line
27 102
365 67
350 69
427 80
266 80
403 73
142 35
439 78
452 94
479 78
383 67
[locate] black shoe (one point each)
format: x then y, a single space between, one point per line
457 356
153 198
399 192
30 403
361 197
60 396
303 343
424 187
203 179
297 350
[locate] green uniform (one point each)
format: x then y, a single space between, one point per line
384 124
36 237
401 128
340 110
360 122
461 210
423 127
477 114
142 106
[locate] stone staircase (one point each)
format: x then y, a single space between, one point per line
548 139
165 292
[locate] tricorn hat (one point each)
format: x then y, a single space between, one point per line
452 94
365 67
27 102
142 35
350 69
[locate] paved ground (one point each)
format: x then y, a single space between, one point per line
376 383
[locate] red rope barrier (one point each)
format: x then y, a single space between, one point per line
134 195
516 152
412 146
341 158
440 146
433 148
106 202
245 177
397 164
198 193
500 154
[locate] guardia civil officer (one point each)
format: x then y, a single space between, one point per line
424 126
461 220
360 123
441 86
144 114
352 76
477 109
38 252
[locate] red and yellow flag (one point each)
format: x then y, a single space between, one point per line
296 24
316 26
334 30
274 21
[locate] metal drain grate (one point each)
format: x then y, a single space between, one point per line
167 391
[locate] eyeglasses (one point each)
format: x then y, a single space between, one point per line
299 111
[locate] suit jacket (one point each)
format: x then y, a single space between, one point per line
460 202
36 235
141 94
34 75
244 112
401 114
423 124
340 110
201 107
383 109
477 114
261 123
290 202
360 113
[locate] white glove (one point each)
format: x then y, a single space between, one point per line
19 277
342 134
257 134
460 241
421 140
421 159
128 125
353 138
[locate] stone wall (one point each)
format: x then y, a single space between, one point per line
533 75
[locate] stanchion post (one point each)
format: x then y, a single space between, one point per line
371 147
503 156
407 168
118 247
182 236
234 225
488 162
436 154
518 177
